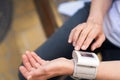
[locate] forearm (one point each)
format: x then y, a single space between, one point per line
98 10
109 70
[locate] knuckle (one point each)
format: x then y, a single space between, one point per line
73 30
82 33
90 37
98 45
74 37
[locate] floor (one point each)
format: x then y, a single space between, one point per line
26 33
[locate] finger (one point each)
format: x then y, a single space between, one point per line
70 39
37 65
31 59
91 36
37 58
98 42
77 33
24 71
30 77
39 74
36 72
26 62
82 37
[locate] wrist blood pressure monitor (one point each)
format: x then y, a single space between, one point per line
85 65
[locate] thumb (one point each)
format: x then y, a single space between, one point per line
98 42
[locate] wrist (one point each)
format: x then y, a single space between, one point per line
95 19
66 67
69 68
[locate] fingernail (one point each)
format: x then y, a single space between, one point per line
93 48
73 43
69 41
77 48
83 47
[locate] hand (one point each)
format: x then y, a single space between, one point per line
29 63
39 69
83 35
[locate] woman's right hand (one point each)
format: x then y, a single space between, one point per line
82 35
